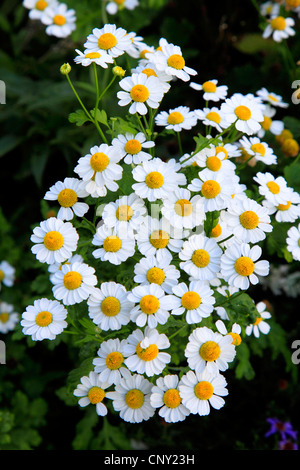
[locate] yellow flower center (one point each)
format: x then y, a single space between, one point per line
134 398
43 318
143 53
213 116
112 244
99 161
172 398
258 148
183 207
200 258
290 147
210 189
209 87
257 321
278 23
236 339
133 146
4 317
266 123
96 395
216 231
175 118
273 187
2 275
114 360
149 72
203 390
156 276
159 239
72 280
124 213
154 180
59 20
222 149
67 198
139 93
176 61
110 306
92 55
190 300
284 207
53 240
119 2
244 266
107 41
149 304
147 354
249 220
243 113
292 3
41 5
210 351
213 163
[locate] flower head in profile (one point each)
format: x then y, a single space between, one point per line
211 90
89 57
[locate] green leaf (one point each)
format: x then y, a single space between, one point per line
243 368
276 244
292 174
78 117
101 116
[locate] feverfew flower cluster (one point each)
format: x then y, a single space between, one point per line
280 19
184 235
58 19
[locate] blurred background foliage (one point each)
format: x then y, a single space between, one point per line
39 146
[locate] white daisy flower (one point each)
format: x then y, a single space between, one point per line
109 363
273 189
260 325
293 242
260 151
45 319
132 399
139 91
177 119
244 112
127 212
109 307
239 265
279 28
135 40
170 60
214 161
226 291
53 268
200 391
91 390
268 124
200 257
8 317
271 98
54 241
235 331
221 231
73 283
67 193
182 210
143 351
215 189
248 220
157 237
7 274
115 246
89 57
165 396
132 147
269 8
149 69
152 307
99 170
115 41
230 150
196 300
211 90
113 6
37 7
210 350
59 20
157 179
288 212
150 270
212 117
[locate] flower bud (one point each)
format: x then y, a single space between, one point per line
65 69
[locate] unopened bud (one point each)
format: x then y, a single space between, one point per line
118 71
65 69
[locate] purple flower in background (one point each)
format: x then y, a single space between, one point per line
287 444
284 428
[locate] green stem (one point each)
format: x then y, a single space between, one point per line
178 331
79 100
179 143
108 86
